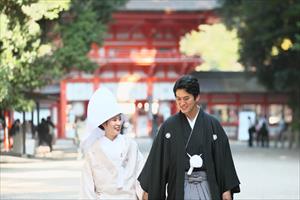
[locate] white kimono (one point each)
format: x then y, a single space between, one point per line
102 179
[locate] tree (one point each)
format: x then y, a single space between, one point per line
20 46
41 40
84 23
270 43
217 46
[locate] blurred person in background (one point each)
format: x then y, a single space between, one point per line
2 127
80 129
15 133
263 132
112 161
190 157
44 134
251 132
51 127
281 132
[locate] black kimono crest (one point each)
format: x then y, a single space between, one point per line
163 173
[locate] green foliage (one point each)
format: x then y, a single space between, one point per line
270 42
217 46
41 40
297 38
20 45
83 24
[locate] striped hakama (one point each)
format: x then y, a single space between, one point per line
196 186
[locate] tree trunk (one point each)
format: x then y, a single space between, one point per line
296 118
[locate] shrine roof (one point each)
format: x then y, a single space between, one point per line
227 82
170 5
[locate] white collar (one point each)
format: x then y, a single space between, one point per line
192 122
113 149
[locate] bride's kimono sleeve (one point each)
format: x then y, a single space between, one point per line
87 186
140 161
154 176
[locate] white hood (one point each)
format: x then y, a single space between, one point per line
101 107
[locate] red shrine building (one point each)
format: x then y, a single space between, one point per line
139 62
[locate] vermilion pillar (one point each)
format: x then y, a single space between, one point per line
7 126
62 110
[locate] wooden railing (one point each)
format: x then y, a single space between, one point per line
141 56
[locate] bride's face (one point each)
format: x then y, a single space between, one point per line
113 126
